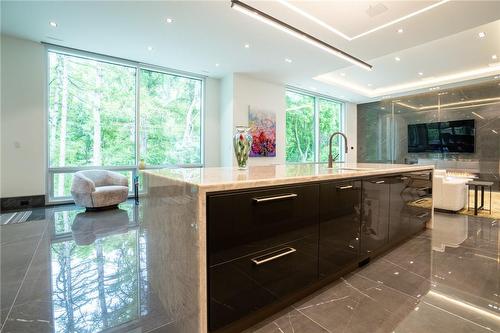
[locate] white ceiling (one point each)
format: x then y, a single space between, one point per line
438 42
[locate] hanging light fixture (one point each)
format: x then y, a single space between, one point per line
280 25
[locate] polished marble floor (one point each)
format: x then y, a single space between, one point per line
91 272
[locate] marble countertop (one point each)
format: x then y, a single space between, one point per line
226 178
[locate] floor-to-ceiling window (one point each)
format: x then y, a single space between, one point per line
310 120
170 131
100 115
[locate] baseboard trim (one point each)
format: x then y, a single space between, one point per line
16 203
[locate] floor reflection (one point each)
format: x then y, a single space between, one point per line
464 275
102 272
443 280
98 270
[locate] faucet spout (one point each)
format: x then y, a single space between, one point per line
330 157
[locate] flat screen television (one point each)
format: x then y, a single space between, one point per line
443 137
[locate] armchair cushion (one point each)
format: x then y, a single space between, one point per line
449 193
99 188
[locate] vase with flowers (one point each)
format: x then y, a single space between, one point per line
242 142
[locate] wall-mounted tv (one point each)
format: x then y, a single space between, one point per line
444 137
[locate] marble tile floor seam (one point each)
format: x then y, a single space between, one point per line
389 287
311 319
407 270
24 278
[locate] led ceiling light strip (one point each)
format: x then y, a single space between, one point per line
341 34
445 79
280 25
429 107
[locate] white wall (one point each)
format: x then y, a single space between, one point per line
226 121
212 122
239 91
22 118
263 96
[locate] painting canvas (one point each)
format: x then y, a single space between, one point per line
263 130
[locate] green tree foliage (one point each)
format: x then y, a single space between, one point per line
170 119
329 122
299 127
300 118
91 88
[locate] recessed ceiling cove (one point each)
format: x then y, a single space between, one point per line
338 16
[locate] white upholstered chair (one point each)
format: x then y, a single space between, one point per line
99 188
449 193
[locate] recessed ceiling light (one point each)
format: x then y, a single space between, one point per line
397 58
247 46
170 20
53 24
150 48
400 30
481 34
342 74
420 73
288 60
494 57
217 65
369 84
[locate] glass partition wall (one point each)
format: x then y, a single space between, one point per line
384 128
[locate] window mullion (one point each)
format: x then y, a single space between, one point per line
316 130
137 116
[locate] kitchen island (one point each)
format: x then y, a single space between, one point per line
239 245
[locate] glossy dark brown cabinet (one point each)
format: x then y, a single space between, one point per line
262 245
401 196
245 222
266 248
375 216
420 192
339 228
244 285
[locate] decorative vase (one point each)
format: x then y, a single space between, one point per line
242 142
142 164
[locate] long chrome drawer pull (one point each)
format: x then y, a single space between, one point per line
380 182
422 215
278 197
344 187
404 178
278 254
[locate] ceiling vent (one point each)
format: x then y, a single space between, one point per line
375 10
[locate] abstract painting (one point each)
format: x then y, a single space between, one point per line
263 130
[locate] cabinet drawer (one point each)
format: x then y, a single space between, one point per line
241 223
244 285
340 212
375 219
